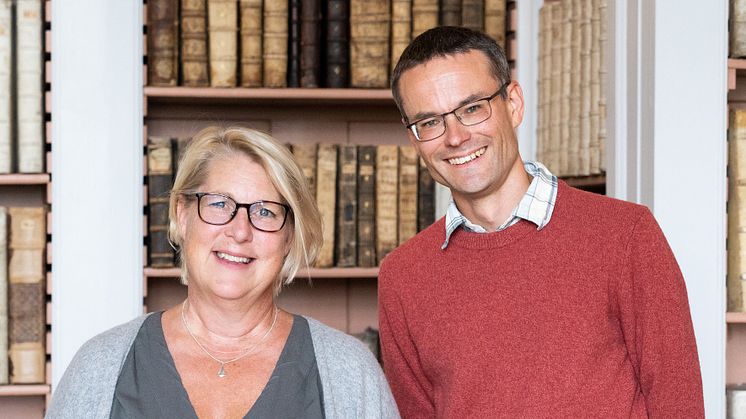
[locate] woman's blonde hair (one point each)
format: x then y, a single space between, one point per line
213 143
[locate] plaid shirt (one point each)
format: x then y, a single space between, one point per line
536 205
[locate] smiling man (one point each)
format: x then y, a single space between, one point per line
529 298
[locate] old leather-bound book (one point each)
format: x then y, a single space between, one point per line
326 199
163 35
366 206
425 15
6 98
408 179
160 178
305 156
387 204
29 97
310 43
194 43
401 28
425 197
494 20
294 22
736 282
346 234
737 44
4 295
251 43
337 55
472 14
450 12
275 45
222 22
369 43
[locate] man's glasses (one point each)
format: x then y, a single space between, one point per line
473 113
217 209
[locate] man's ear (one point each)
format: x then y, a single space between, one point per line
515 102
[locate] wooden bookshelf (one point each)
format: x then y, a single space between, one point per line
736 68
584 182
735 318
285 96
24 390
17 179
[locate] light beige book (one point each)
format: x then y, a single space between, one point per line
193 27
603 81
387 208
251 43
3 295
305 156
424 16
326 199
494 20
737 44
573 146
370 32
275 43
222 28
595 86
555 10
6 117
401 28
408 179
544 86
565 81
29 85
584 166
735 397
736 278
26 301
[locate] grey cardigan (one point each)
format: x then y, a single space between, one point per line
354 385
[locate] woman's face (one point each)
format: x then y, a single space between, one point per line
234 260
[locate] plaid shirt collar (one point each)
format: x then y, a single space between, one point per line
536 205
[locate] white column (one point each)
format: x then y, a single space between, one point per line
97 168
527 64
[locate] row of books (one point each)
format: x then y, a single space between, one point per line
736 242
737 33
22 295
371 198
21 87
572 86
297 43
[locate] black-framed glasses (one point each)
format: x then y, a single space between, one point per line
218 209
473 113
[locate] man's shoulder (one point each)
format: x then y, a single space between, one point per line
594 203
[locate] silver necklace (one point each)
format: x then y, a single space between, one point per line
251 349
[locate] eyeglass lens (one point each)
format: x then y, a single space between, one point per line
218 209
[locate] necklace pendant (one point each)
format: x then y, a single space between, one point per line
221 373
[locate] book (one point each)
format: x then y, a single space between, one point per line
6 98
573 145
310 43
603 81
586 37
163 35
387 203
425 197
160 179
401 28
565 57
178 146
594 148
542 88
275 43
3 295
294 18
407 194
735 402
29 86
555 102
366 206
326 199
369 43
736 277
346 229
425 15
251 43
305 156
193 27
450 12
222 25
737 33
26 295
337 55
494 20
472 14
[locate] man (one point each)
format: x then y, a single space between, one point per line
529 299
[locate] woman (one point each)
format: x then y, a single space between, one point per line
244 221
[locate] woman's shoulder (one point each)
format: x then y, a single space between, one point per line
115 339
341 343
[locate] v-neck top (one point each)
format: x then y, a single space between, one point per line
149 385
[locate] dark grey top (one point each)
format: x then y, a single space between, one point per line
149 386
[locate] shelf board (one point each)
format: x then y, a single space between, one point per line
735 317
585 181
268 96
24 390
736 67
24 179
303 273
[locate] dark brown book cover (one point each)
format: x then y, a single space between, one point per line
387 204
370 25
425 14
163 33
178 146
294 29
346 239
450 12
310 43
326 199
275 43
26 297
194 43
472 14
425 197
305 156
494 20
366 206
408 179
251 43
337 57
160 178
222 26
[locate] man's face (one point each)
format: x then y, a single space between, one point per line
473 161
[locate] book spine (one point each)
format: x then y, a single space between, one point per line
401 28
541 86
736 277
387 208
3 295
424 16
306 154
370 25
425 197
222 21
29 107
160 177
326 181
594 147
585 88
573 146
565 81
603 81
163 32
408 179
450 12
472 14
310 43
294 29
27 295
494 20
737 44
555 103
366 210
6 98
346 237
337 43
194 43
275 43
736 402
251 43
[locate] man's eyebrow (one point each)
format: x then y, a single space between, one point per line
466 101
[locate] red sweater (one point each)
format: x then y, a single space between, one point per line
588 317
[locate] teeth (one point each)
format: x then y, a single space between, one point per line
232 258
470 157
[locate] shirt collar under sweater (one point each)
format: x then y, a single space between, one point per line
536 205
